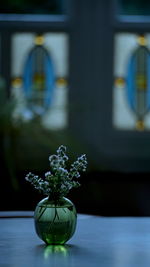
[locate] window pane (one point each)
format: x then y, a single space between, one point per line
39 77
33 6
131 93
134 7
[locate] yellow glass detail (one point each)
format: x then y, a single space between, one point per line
17 82
39 81
39 40
61 82
119 82
141 81
142 40
140 125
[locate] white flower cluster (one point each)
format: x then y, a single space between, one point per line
58 181
38 183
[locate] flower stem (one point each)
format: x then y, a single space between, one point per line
41 213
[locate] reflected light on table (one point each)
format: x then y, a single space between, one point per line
55 249
57 255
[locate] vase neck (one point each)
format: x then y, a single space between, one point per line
55 199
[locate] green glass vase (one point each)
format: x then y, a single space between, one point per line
55 221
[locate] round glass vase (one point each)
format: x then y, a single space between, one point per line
55 221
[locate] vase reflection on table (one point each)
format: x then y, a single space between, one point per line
55 216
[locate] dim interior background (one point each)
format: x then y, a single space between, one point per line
76 73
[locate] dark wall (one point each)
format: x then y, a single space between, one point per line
100 193
117 182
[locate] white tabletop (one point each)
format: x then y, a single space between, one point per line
98 241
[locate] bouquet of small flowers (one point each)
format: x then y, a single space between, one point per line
58 181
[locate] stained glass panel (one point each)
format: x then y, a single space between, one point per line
39 77
131 93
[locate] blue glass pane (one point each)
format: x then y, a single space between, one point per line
137 86
39 78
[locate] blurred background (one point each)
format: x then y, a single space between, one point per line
77 73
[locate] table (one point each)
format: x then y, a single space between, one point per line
98 241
